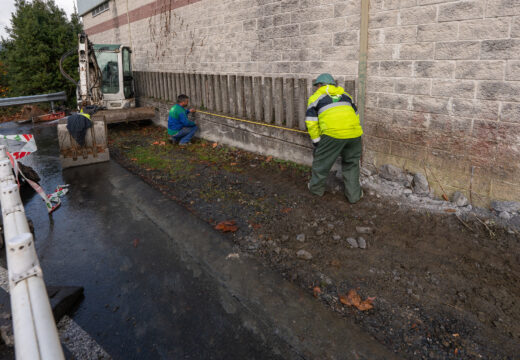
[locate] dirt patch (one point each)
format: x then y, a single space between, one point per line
443 289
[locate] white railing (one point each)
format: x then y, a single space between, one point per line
35 332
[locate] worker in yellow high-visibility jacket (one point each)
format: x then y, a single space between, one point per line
333 125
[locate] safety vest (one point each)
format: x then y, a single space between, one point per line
332 112
84 114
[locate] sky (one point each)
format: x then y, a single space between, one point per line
8 8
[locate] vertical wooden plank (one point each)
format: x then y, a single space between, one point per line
225 94
302 103
164 88
169 95
233 95
187 89
174 91
203 90
182 85
200 92
178 84
217 96
137 83
268 100
258 96
278 101
152 84
156 87
289 102
350 87
193 93
211 92
240 96
248 97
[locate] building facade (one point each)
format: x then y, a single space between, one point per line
443 77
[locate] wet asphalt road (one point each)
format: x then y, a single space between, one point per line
141 302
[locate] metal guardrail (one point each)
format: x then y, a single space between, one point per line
35 332
22 100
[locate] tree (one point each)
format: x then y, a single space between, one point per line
39 35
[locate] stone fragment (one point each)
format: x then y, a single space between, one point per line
319 232
336 237
459 199
420 184
364 229
300 237
352 242
504 215
393 173
304 254
362 243
285 237
330 226
509 206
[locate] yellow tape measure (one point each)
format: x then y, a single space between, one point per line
252 122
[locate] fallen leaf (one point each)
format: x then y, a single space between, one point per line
233 164
316 291
227 226
233 256
155 143
445 197
353 299
335 262
286 210
455 335
450 210
133 159
214 145
136 242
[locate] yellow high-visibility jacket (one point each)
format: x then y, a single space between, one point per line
331 111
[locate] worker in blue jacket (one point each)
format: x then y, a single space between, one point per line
180 128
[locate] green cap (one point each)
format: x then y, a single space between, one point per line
325 79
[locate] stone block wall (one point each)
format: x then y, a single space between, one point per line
443 75
442 99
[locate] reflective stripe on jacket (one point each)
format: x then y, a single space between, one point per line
331 111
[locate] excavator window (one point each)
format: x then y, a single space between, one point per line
108 64
127 74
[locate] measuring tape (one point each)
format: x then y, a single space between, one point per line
253 122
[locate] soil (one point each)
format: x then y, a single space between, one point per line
443 289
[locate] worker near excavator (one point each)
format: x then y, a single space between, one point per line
180 128
333 125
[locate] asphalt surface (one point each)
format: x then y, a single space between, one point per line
157 282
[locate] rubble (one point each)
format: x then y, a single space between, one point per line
420 184
393 173
508 206
304 254
362 243
459 199
352 242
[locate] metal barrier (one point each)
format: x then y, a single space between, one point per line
22 100
35 332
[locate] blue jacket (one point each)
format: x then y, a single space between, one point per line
177 119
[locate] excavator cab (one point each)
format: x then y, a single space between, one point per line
117 82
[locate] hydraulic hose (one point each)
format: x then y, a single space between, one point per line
67 76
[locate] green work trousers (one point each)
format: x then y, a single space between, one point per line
326 154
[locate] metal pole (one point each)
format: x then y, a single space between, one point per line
362 67
35 332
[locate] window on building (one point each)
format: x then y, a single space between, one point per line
99 9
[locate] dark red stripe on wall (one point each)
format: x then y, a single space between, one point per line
154 8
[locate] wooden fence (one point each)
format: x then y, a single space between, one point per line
280 101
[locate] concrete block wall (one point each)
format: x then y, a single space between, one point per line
443 86
443 75
253 37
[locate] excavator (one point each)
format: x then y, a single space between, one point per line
105 83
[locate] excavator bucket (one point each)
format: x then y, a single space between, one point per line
94 151
125 115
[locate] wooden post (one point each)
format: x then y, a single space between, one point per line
258 98
217 95
211 92
289 102
233 95
302 103
197 90
268 100
278 101
178 85
240 96
224 93
248 97
193 91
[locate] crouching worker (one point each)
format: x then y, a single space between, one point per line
180 128
333 125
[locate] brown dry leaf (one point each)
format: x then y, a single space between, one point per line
214 145
136 242
335 262
227 226
155 143
445 197
133 159
316 291
450 210
286 210
353 299
268 159
233 164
